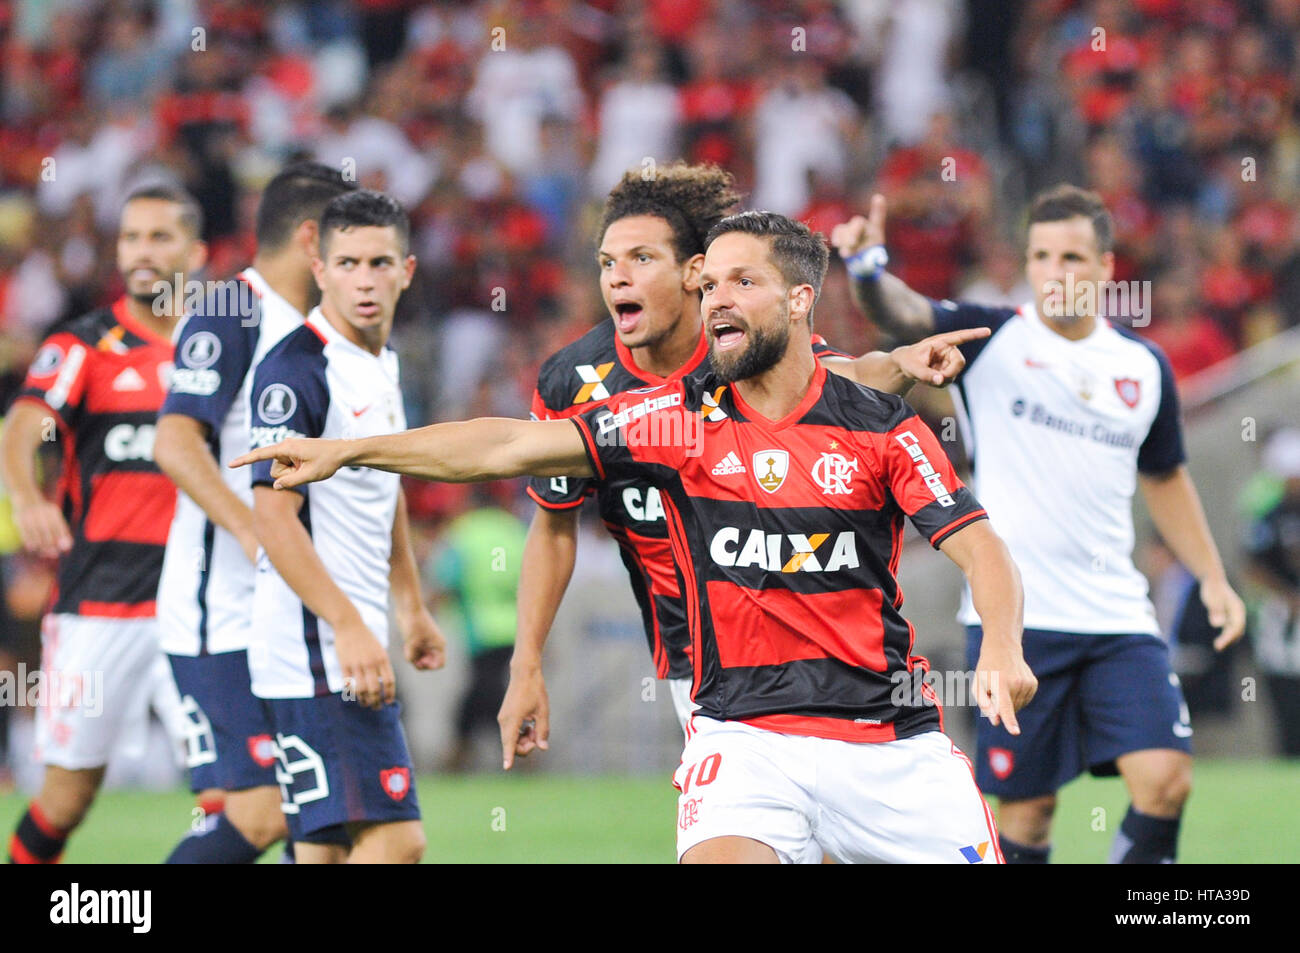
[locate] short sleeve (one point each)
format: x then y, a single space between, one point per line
645 433
555 493
289 398
1162 450
924 484
962 316
214 351
57 376
822 349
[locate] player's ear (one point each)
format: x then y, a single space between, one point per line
198 256
1108 266
800 299
318 271
409 265
691 269
307 237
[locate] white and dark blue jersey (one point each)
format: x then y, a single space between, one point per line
1058 431
317 383
206 592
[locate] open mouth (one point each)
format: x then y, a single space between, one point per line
726 334
367 309
627 314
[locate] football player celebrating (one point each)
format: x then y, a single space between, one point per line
651 249
799 747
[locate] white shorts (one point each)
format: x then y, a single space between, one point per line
98 679
909 801
680 690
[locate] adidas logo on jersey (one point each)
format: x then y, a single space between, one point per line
728 465
129 379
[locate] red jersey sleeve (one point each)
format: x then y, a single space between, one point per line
57 377
644 433
924 483
555 493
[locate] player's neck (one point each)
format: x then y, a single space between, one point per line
778 391
372 340
665 357
160 324
284 272
1075 330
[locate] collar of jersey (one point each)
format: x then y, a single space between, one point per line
624 354
811 397
317 321
122 315
262 288
1030 313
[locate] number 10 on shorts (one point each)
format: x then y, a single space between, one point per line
708 770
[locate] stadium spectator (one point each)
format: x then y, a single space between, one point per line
476 571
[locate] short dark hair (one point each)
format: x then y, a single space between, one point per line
798 253
298 193
690 198
1065 201
362 208
191 212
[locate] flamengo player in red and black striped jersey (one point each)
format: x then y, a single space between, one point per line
799 749
98 384
651 249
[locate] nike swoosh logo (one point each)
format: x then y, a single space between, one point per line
1032 363
358 413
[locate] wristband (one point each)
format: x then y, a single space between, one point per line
868 263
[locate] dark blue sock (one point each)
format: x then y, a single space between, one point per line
1143 839
1022 854
216 842
287 857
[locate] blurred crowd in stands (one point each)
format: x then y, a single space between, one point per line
500 125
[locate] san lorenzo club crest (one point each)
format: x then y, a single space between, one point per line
770 468
1129 390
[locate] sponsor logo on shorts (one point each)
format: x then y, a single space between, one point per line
1002 762
261 748
395 782
974 853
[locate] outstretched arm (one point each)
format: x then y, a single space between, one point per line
469 451
934 360
1004 682
1175 508
887 301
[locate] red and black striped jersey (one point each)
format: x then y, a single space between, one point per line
103 378
587 374
788 535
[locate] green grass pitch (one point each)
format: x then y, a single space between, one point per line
1240 812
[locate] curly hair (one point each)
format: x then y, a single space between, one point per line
690 198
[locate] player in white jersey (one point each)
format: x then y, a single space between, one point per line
206 593
1066 415
334 551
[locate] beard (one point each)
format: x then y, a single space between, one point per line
765 349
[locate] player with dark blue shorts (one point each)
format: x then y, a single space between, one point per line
333 553
1067 415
